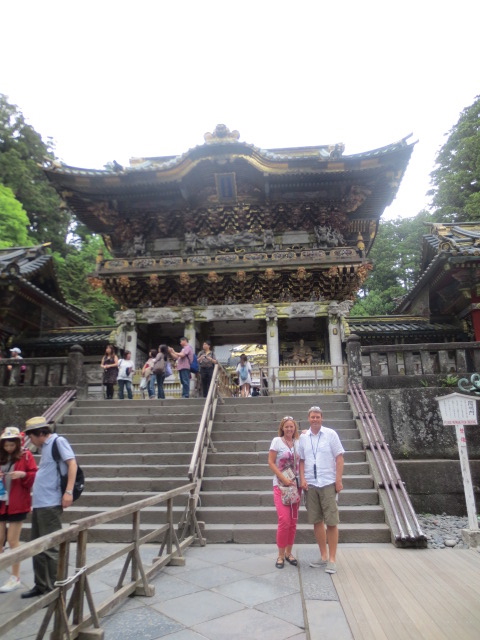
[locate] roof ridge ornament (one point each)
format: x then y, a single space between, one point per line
221 135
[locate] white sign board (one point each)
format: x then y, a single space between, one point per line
457 408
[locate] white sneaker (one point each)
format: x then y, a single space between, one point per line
318 563
11 584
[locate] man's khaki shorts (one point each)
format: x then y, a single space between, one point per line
322 505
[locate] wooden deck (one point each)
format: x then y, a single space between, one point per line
397 594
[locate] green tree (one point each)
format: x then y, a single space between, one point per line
13 221
22 154
456 177
73 270
396 255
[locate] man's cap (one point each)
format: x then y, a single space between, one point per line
16 350
38 422
11 432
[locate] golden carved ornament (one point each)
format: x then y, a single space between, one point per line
153 279
333 272
363 270
124 281
241 276
221 134
184 278
269 274
302 274
212 277
360 242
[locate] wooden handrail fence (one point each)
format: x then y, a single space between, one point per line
70 619
67 609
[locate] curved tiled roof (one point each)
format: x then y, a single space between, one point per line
398 326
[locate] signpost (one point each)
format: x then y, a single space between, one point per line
459 410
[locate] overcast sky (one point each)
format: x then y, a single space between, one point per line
113 80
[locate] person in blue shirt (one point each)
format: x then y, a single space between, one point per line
48 502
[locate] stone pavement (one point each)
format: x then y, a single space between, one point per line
224 591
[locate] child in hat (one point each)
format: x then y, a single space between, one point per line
17 473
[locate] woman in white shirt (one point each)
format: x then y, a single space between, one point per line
283 460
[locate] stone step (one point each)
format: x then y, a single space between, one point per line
107 440
228 499
147 410
113 428
254 427
153 417
177 403
300 409
84 436
269 434
160 445
355 468
276 416
266 534
133 470
220 515
287 400
241 534
264 483
149 483
136 484
268 515
145 457
224 499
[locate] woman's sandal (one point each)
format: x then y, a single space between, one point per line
280 563
291 560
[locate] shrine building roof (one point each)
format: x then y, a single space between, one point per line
450 269
31 272
226 170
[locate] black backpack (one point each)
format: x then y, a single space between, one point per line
79 485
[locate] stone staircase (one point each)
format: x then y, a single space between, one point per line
237 498
131 450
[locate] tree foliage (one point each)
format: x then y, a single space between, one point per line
73 269
13 221
456 177
22 153
31 212
396 255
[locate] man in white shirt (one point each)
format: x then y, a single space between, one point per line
321 470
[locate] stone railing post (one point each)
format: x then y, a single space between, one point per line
76 375
354 358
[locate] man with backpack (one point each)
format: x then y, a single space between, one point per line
48 500
184 360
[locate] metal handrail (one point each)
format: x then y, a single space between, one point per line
409 530
220 381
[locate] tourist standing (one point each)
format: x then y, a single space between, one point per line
321 471
159 369
47 499
17 473
109 365
148 375
206 362
244 371
17 370
184 359
283 459
126 367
